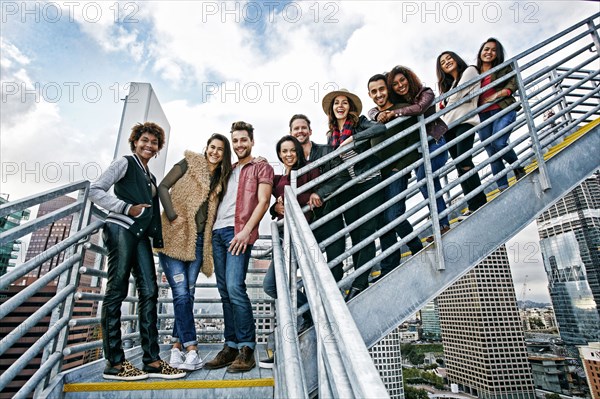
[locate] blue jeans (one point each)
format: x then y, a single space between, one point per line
231 275
270 286
498 143
436 163
403 229
182 278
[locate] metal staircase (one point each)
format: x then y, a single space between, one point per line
331 359
558 152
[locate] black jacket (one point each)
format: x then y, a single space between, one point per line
360 167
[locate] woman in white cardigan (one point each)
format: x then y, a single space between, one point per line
452 71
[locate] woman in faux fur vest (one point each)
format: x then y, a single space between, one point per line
190 194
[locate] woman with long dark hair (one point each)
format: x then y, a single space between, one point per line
453 71
190 194
290 153
406 87
490 55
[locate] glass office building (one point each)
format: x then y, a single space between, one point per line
570 239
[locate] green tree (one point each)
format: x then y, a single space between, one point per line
552 396
416 358
536 323
414 393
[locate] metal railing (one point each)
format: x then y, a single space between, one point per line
540 73
63 278
345 366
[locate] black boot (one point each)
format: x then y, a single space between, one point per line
307 322
520 173
352 293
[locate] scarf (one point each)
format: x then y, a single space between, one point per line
338 137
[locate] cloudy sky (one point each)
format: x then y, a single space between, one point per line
66 66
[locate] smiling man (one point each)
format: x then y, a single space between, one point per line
235 230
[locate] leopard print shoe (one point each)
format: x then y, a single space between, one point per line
164 370
127 372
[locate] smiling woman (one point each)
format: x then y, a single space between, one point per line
127 233
190 194
343 110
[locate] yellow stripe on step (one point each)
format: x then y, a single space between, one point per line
162 385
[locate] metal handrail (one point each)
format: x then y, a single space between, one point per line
288 365
356 368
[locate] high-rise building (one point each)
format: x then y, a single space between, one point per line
483 339
388 361
48 236
8 251
263 304
430 321
570 241
590 355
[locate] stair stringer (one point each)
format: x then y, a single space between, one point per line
409 287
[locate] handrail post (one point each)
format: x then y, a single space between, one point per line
594 33
290 369
537 148
558 92
291 261
433 211
57 344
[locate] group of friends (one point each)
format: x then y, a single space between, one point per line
212 208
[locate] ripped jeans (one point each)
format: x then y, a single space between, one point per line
182 278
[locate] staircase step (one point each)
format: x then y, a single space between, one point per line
257 383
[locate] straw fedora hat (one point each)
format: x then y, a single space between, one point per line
329 97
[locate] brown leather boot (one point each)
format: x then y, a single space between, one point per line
244 362
224 358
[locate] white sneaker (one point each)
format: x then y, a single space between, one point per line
176 358
192 362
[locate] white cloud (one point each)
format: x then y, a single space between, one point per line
113 25
14 81
39 148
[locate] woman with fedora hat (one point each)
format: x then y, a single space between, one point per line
343 111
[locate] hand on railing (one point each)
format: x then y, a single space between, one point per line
315 201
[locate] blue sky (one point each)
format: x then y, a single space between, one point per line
292 54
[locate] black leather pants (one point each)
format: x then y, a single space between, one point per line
128 254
